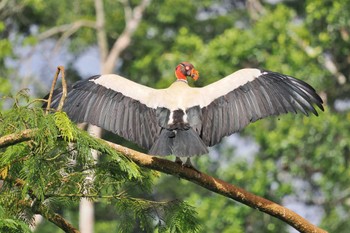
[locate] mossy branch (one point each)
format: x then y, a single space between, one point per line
199 178
14 138
56 219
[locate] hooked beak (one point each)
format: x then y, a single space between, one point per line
194 74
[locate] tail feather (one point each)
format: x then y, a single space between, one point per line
163 144
181 143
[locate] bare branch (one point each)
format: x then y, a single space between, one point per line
3 4
53 84
64 89
66 27
65 35
255 9
331 66
127 11
12 139
9 8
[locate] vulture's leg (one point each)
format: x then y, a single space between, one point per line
189 164
178 160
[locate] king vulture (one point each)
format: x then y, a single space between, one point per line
181 120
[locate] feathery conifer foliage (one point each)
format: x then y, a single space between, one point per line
51 170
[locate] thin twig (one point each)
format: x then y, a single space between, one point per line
65 35
49 100
64 88
63 28
82 195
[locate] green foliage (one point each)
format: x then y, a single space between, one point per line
5 87
181 219
5 44
65 126
306 155
12 224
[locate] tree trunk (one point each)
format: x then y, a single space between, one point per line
86 207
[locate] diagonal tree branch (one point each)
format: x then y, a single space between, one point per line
56 219
71 28
14 138
64 89
220 187
213 184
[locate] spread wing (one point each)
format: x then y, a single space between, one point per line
115 104
247 96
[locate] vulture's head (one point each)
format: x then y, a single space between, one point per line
184 70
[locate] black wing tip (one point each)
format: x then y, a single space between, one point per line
311 91
312 107
316 101
320 106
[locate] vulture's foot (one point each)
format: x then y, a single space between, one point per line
178 160
189 164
